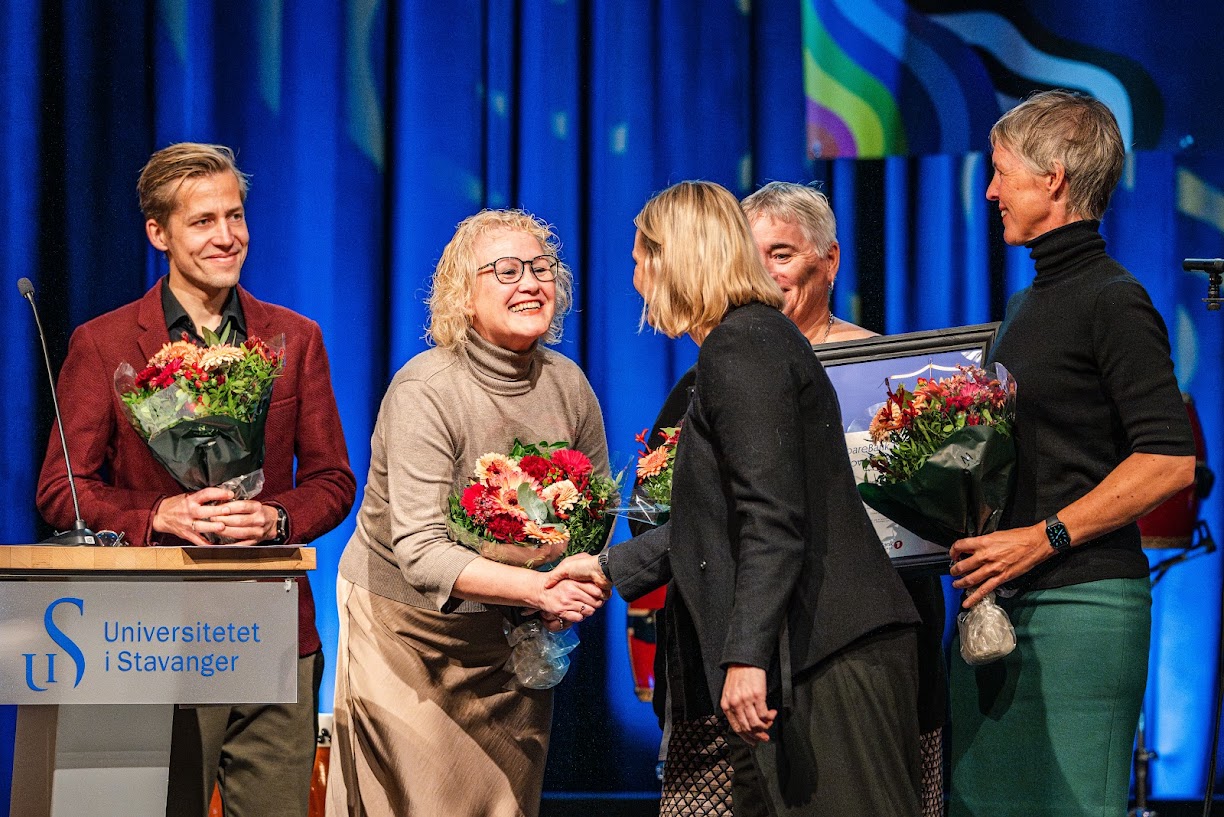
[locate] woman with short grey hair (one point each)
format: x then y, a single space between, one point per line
1102 437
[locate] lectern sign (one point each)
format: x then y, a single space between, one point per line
98 642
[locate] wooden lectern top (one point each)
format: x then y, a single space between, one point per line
268 560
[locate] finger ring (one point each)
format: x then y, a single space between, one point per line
584 609
193 525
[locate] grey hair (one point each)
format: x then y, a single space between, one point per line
796 204
1073 130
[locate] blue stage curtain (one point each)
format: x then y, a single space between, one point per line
371 128
19 449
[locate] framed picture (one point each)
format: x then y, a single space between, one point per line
858 370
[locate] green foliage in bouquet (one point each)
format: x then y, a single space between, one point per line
216 380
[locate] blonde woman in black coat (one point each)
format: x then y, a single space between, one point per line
785 614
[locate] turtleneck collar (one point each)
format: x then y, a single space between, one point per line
501 371
1063 251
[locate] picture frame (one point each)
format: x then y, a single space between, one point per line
858 370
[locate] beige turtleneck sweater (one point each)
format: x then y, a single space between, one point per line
443 410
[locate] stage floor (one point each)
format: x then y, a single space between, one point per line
646 804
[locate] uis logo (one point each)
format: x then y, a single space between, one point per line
33 670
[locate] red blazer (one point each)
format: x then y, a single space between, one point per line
120 483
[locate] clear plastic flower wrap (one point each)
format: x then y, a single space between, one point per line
246 486
641 508
539 658
986 633
650 502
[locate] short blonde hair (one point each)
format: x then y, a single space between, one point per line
450 291
701 259
1074 130
796 204
163 175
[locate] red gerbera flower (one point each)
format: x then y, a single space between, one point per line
471 499
574 463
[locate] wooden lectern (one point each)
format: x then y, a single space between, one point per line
97 646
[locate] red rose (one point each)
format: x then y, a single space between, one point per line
574 463
166 376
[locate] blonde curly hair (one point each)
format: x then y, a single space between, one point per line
450 291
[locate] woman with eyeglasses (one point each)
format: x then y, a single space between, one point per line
427 720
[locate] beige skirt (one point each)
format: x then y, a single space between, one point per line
424 723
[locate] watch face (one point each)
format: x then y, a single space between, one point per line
1060 540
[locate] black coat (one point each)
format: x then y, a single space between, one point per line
767 532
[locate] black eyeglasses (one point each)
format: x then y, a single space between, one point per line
510 270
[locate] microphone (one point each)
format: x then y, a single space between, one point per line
1214 267
1203 265
80 533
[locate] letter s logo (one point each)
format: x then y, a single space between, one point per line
61 638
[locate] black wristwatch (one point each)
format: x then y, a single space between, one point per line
1056 532
602 558
282 526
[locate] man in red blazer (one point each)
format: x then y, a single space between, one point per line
192 196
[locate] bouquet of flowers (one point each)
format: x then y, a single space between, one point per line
543 496
650 505
651 500
944 468
945 472
202 409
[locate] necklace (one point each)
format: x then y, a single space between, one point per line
828 329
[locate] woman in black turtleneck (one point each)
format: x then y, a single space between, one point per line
1102 438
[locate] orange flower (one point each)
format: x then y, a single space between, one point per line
888 418
562 495
491 464
506 501
186 351
652 463
214 357
546 534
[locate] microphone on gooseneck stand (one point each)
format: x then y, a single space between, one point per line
1214 267
80 533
